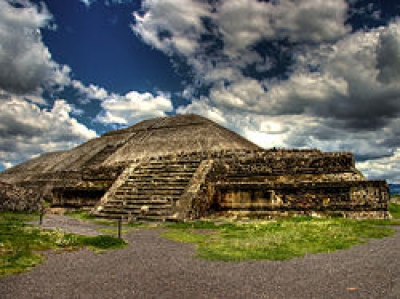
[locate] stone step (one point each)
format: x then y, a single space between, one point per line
149 199
136 206
156 184
135 213
140 198
149 193
180 163
133 201
145 169
170 185
160 187
161 174
141 201
137 210
157 180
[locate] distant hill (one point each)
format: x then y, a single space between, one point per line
394 188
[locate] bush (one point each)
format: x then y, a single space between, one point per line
103 242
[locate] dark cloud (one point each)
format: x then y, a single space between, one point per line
388 56
14 128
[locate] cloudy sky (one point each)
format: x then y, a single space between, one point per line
284 73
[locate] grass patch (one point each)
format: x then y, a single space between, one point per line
394 209
275 240
21 244
102 242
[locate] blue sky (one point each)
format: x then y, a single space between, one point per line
290 73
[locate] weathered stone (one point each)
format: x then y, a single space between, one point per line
186 167
20 199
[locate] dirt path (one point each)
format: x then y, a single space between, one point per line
152 267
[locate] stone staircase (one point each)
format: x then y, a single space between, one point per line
150 191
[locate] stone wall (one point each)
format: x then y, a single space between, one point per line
287 163
14 198
274 180
196 200
362 199
86 191
102 173
77 197
280 182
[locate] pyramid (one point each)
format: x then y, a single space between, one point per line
186 166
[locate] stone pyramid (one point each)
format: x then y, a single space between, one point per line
150 138
186 166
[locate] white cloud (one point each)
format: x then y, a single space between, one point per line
351 89
179 27
31 67
124 109
91 92
202 107
27 130
106 2
245 22
386 167
133 107
172 26
28 125
88 2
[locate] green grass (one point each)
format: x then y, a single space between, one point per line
102 242
21 244
275 240
394 209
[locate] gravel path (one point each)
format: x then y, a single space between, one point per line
153 267
69 224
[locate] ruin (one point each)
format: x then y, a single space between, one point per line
186 167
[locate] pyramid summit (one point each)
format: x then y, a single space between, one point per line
186 166
149 138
